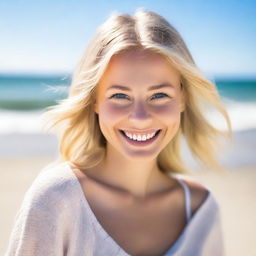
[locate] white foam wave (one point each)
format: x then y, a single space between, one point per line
20 122
242 114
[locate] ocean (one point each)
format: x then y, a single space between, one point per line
23 98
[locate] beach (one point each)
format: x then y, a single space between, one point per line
24 155
25 150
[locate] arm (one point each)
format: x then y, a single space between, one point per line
215 239
206 227
39 224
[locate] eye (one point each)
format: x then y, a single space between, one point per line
124 96
160 95
118 96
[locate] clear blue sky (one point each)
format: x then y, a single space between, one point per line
49 36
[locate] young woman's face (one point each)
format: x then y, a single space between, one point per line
139 96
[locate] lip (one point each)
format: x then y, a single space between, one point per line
140 143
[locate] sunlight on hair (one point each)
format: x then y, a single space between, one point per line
81 140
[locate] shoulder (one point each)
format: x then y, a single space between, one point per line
198 192
51 187
45 217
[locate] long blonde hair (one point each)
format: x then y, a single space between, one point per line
75 122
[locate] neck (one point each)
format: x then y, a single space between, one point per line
138 178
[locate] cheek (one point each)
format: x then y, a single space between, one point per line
170 116
169 112
111 113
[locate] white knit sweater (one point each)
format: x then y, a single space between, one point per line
55 219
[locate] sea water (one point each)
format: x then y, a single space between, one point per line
24 98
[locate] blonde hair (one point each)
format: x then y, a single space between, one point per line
75 122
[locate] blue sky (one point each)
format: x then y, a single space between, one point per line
50 36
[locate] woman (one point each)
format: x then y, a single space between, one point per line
117 188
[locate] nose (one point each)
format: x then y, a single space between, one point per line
140 115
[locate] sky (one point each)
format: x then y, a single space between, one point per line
50 36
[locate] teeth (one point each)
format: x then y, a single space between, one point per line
143 137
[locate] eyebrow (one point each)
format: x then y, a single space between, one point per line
154 87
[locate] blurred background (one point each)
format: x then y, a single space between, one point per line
41 43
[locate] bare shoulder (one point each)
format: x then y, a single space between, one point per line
198 193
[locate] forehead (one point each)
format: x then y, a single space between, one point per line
139 67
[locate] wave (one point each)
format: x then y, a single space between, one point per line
242 115
20 121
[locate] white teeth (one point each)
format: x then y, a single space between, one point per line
143 137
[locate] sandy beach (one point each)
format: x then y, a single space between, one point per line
235 191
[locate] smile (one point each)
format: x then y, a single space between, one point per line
140 140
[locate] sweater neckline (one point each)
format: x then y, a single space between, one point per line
95 221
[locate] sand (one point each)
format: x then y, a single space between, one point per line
234 191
